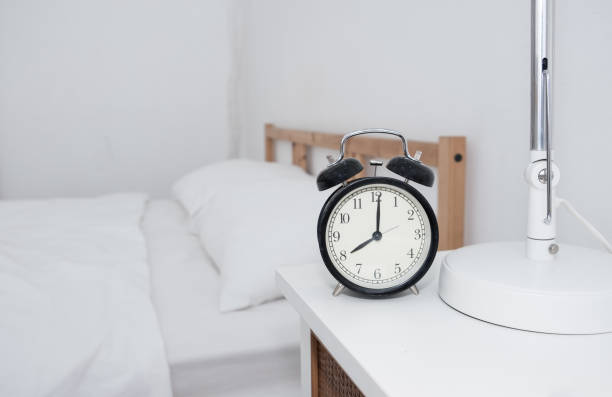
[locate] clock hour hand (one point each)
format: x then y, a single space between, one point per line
375 236
360 246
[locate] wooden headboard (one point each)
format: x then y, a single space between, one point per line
448 155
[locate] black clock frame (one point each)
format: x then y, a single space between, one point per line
340 193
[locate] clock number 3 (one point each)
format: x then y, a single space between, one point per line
418 234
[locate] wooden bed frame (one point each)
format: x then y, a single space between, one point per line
448 155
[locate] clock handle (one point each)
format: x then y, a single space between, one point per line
350 135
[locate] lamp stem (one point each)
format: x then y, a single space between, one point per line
541 47
542 174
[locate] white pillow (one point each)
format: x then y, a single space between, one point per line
253 223
194 190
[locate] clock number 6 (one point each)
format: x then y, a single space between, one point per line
377 274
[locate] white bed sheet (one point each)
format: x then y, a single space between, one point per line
76 317
253 352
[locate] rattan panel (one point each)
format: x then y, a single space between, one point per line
333 381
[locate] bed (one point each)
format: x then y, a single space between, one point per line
208 352
151 325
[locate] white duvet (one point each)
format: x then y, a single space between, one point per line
76 317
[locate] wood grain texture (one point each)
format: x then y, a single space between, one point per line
451 191
269 144
448 155
314 365
299 155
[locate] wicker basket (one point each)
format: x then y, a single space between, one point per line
328 377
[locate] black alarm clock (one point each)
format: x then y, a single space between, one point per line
377 235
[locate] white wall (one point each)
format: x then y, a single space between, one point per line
127 95
100 96
440 67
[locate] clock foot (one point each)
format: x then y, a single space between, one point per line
338 290
414 290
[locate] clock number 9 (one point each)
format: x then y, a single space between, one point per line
336 236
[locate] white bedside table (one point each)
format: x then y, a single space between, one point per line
417 345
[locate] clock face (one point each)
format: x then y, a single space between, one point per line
379 234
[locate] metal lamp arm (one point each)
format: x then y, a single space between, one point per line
549 175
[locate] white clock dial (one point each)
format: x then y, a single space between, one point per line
378 236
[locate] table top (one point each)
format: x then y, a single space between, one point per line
416 344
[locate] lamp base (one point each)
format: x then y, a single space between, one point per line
497 283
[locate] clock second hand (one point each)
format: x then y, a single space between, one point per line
388 230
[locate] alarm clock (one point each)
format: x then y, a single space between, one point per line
377 235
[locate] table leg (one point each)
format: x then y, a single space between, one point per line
305 359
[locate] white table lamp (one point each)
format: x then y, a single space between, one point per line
536 285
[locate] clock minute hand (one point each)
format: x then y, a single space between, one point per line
378 215
360 246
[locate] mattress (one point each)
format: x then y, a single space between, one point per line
252 352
